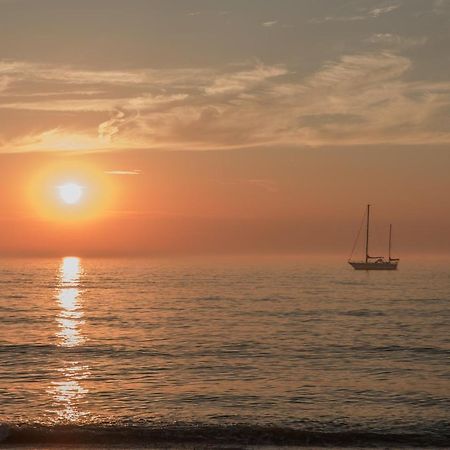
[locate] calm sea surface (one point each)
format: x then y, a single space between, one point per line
233 347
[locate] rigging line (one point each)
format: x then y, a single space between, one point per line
357 236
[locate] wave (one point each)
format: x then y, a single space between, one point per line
200 434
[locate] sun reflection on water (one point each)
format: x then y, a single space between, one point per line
70 316
67 391
70 270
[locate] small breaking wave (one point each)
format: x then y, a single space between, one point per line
238 434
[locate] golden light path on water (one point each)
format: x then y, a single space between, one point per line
71 315
68 391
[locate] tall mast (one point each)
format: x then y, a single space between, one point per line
367 233
390 240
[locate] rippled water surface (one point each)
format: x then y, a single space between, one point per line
306 345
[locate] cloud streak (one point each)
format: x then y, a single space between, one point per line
270 23
396 41
372 13
124 172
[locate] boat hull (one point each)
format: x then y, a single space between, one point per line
382 265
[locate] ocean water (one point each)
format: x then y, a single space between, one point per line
269 351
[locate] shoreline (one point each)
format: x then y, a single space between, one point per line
208 436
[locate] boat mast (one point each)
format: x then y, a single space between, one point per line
390 240
367 233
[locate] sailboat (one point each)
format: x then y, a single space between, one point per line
374 262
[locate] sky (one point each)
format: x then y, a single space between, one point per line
207 126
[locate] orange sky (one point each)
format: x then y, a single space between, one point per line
207 126
254 201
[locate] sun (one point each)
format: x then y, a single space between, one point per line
71 193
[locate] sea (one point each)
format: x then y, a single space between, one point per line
232 352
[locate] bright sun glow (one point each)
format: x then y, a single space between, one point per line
70 193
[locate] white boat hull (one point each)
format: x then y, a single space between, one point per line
381 265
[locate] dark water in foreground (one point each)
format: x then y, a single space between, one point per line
274 352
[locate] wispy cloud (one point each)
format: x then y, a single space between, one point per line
371 13
73 77
270 23
123 172
108 129
361 70
244 80
4 82
377 12
214 13
396 41
362 98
